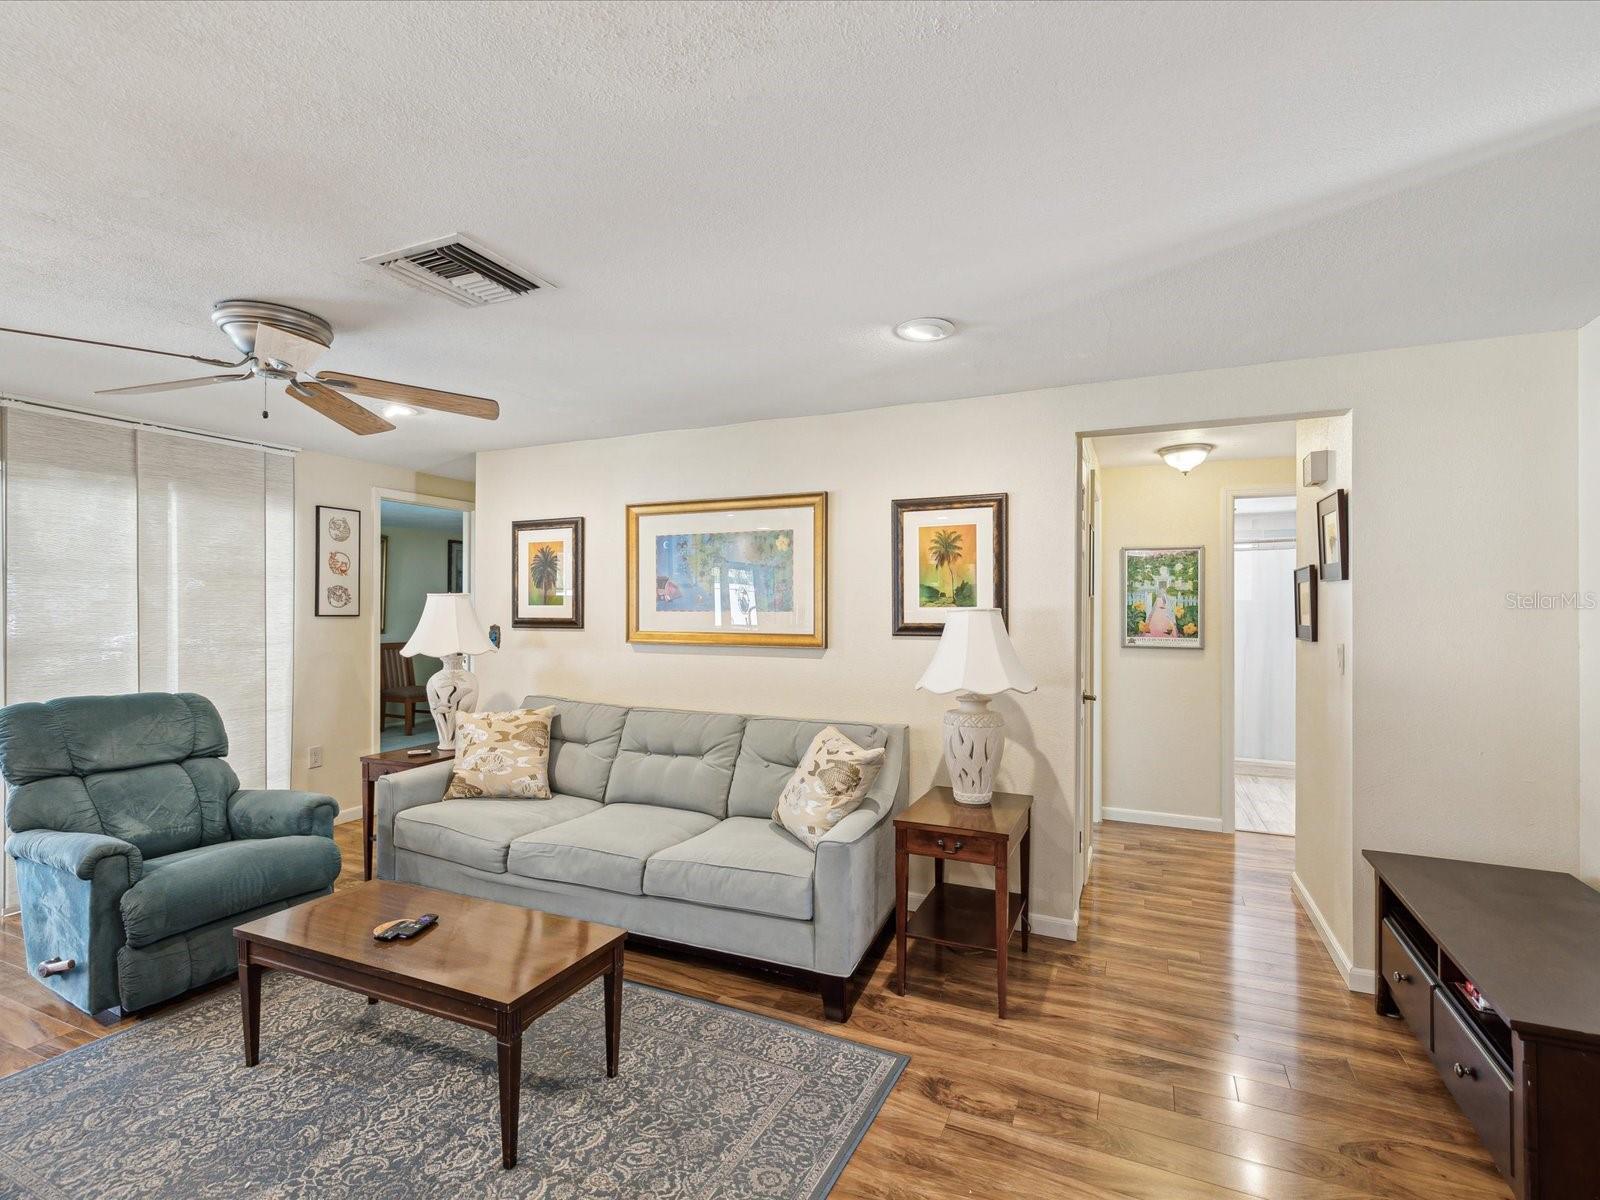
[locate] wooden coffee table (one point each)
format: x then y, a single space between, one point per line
495 967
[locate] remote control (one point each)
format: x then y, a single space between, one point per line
420 752
391 931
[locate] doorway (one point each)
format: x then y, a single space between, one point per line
1263 562
422 548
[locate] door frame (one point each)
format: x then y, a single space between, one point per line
1227 783
467 509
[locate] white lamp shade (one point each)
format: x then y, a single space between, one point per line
448 626
975 655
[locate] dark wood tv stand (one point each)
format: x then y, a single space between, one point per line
1526 1072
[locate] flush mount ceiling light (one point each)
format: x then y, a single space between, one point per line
394 411
1186 457
924 329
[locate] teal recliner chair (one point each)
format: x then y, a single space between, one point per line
138 852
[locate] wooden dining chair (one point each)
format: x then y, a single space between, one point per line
400 686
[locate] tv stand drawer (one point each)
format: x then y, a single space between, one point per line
1410 981
1474 1079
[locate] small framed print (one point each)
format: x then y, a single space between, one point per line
547 574
1305 603
751 571
338 573
1333 537
949 552
1162 592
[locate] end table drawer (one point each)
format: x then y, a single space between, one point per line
961 847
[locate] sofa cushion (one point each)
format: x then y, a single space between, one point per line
676 760
475 833
502 755
605 849
828 785
583 744
772 748
184 891
746 863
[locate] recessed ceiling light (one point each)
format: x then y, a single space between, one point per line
396 411
1186 457
924 329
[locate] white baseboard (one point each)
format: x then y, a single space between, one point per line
1065 928
1141 816
1263 766
1357 979
347 815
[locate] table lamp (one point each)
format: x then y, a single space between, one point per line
448 629
976 660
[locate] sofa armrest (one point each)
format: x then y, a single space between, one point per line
397 792
854 878
269 813
75 853
71 887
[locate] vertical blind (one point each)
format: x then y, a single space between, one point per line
136 560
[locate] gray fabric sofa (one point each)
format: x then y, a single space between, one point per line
660 822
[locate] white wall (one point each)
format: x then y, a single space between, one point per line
1162 708
1464 737
1589 589
334 696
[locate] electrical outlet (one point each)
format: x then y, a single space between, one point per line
316 757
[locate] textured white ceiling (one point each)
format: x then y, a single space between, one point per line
738 199
1260 439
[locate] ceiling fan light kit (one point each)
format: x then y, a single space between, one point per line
280 342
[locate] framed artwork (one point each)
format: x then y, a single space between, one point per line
383 582
949 552
1333 537
1162 591
749 572
454 566
1305 603
338 573
547 574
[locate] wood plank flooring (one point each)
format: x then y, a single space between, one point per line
1263 803
1195 1042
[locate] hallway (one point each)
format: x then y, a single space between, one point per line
1263 803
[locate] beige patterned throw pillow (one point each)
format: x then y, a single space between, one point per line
829 784
502 755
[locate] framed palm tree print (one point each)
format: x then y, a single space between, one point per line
949 552
547 574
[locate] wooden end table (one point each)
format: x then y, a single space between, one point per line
373 768
487 965
955 914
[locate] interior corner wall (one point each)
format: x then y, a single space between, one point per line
1589 595
1465 731
1162 754
1325 861
334 688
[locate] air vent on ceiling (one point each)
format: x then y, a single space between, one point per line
457 267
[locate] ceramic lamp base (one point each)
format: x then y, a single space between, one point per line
974 739
453 689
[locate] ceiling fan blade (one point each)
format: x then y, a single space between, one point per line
338 408
404 393
60 337
290 349
172 385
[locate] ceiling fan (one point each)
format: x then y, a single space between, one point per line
280 342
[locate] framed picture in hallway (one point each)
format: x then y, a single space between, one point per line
547 574
949 552
1305 603
746 572
1162 591
338 571
1333 536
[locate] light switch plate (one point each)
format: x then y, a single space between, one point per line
1341 658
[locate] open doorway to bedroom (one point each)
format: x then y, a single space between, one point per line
1263 563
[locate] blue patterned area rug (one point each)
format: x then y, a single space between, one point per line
352 1100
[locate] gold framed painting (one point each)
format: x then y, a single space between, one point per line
547 574
949 553
745 572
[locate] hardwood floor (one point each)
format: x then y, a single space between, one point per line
1195 1042
1263 803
